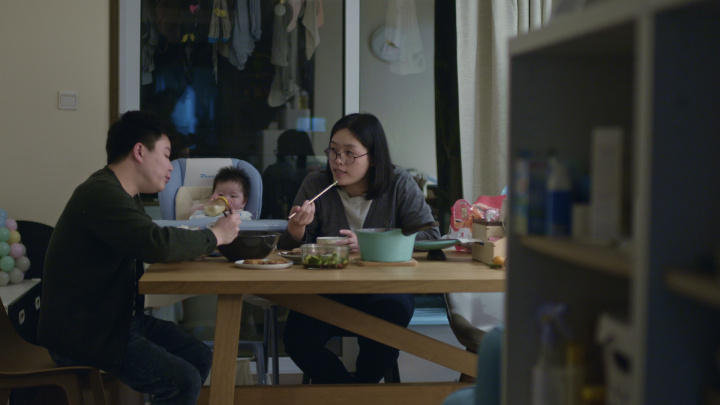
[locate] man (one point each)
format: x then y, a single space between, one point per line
91 312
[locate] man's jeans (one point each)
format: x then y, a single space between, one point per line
162 360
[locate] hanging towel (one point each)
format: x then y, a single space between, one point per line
280 53
312 34
282 88
148 44
295 7
220 27
246 31
402 16
320 13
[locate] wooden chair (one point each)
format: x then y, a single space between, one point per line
26 365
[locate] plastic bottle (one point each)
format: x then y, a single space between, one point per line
559 200
574 373
549 386
593 395
521 194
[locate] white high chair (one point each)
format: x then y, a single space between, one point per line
191 183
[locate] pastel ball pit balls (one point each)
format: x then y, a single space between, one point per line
3 216
23 263
11 224
4 234
14 237
7 263
4 249
17 250
16 276
4 278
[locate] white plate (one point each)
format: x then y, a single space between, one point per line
242 265
295 257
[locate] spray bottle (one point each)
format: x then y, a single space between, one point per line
549 383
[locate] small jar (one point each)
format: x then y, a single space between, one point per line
316 256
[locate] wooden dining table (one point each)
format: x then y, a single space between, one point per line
299 289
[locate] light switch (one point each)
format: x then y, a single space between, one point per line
67 100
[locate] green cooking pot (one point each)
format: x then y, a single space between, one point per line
385 245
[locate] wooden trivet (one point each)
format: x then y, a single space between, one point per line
410 263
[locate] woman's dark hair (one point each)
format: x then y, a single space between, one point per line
295 143
368 130
131 128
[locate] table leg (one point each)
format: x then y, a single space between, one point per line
227 333
379 330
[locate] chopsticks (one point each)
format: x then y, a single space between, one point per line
317 196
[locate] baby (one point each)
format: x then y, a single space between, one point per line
231 183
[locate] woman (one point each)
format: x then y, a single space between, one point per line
371 193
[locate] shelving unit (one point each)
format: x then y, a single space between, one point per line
701 287
651 67
602 258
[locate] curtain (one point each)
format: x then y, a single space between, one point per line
483 30
447 124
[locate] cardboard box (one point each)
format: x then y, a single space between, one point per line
484 230
487 251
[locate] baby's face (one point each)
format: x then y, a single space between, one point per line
233 192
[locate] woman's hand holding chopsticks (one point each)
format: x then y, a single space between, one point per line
306 212
300 217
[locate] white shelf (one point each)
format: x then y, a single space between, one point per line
573 32
602 258
11 292
703 288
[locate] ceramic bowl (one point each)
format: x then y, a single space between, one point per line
250 245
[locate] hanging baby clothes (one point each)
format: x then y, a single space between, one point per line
320 13
282 88
280 51
220 27
402 16
246 31
148 44
310 22
295 8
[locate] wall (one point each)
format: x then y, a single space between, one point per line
45 152
405 105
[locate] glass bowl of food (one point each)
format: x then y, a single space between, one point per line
316 256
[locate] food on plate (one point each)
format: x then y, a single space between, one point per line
263 261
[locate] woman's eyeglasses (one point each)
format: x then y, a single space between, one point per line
347 157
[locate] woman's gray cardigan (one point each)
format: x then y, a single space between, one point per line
402 205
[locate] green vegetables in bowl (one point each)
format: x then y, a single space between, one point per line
326 261
316 256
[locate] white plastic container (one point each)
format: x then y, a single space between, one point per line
606 183
616 338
